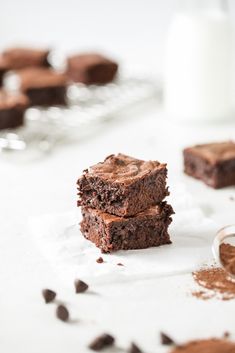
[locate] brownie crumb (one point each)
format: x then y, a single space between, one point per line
80 286
166 340
134 348
48 295
100 342
100 260
226 334
62 313
120 264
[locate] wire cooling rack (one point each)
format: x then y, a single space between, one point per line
88 107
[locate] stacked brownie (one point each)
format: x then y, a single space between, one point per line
122 204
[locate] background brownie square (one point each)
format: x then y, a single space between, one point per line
91 69
122 185
12 109
110 233
19 58
44 87
213 163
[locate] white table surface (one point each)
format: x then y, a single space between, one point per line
135 310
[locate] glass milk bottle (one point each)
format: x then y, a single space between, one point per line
199 60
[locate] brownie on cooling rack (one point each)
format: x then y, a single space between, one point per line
12 109
43 87
91 68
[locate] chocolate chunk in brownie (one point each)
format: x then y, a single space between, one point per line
19 58
110 233
213 163
12 109
91 68
123 185
44 87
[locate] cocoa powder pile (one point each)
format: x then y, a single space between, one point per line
215 282
227 257
206 346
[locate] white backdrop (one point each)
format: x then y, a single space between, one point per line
132 30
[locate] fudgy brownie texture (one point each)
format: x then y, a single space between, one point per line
213 163
91 68
122 185
44 87
110 233
12 108
19 58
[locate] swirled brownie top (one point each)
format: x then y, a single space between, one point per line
214 152
10 100
124 169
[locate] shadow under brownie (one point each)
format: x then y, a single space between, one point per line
122 185
110 233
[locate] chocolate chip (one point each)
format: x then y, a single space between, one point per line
48 295
62 313
80 286
166 340
101 342
120 264
226 334
100 260
134 348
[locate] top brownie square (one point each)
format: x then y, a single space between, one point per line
122 185
214 163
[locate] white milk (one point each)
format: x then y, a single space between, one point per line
198 76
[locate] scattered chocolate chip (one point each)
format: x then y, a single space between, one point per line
80 286
48 295
62 313
226 334
101 342
166 340
120 264
134 348
100 260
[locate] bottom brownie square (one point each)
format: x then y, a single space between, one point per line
110 233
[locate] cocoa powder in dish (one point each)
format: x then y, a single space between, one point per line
215 282
206 346
227 257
